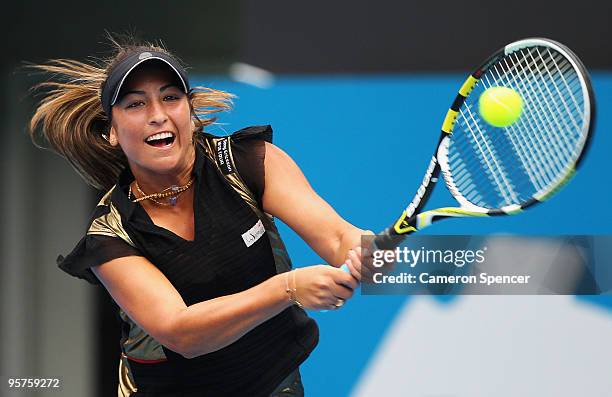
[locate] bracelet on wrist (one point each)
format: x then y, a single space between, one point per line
292 291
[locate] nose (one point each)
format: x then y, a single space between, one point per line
157 113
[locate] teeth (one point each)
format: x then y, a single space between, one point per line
161 135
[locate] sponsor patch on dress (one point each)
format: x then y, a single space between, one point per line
223 157
253 234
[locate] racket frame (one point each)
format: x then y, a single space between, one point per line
412 219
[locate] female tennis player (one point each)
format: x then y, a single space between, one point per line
184 239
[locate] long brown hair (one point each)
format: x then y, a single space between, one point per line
74 124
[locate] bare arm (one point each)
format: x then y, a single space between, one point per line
147 296
289 196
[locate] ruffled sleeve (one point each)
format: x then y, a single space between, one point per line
105 240
93 250
249 152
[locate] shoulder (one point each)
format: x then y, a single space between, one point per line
258 132
252 133
243 154
105 239
277 161
106 219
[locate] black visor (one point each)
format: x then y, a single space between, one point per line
116 78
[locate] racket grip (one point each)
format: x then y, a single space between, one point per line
345 269
387 240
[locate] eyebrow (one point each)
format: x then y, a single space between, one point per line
162 89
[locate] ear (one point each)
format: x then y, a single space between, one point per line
112 137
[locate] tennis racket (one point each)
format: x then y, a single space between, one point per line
494 171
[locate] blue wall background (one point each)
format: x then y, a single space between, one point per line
364 143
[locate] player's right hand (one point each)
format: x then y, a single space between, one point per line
322 287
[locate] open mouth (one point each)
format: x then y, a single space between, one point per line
161 139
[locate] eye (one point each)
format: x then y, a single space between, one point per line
135 104
170 97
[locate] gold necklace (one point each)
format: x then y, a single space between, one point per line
173 192
172 200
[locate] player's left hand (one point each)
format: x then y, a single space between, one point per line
353 262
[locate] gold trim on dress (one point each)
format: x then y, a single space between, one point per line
126 384
110 223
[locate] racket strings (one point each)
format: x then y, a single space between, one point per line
525 151
538 152
536 116
533 116
489 154
495 167
552 122
465 167
557 145
476 165
544 156
560 123
559 95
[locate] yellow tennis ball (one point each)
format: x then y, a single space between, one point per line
500 106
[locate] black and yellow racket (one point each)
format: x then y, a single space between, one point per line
497 167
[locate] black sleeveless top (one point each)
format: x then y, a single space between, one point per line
236 246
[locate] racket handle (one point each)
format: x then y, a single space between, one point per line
345 269
387 240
